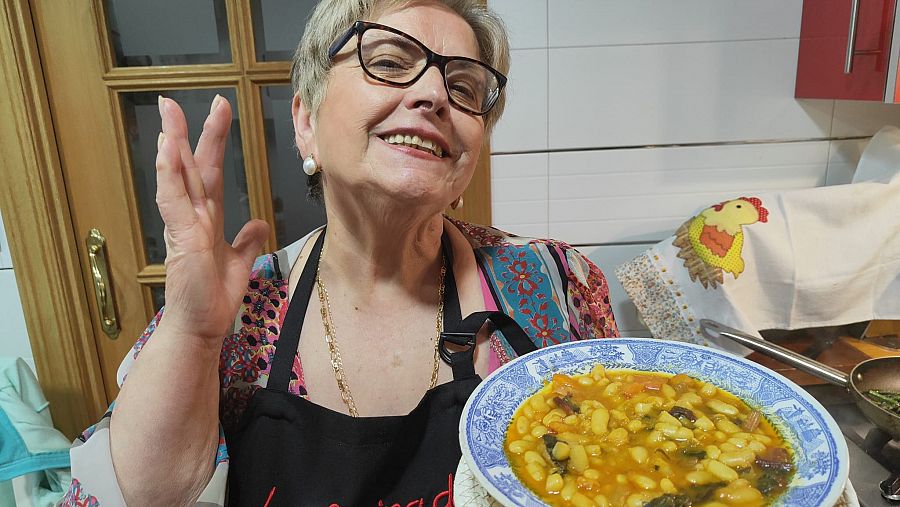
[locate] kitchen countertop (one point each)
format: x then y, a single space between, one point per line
840 352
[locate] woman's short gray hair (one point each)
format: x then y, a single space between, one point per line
311 65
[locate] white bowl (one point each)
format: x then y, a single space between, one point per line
819 447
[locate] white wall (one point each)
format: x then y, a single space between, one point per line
624 117
13 335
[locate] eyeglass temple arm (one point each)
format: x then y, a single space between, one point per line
341 41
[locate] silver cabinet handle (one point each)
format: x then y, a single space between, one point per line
851 37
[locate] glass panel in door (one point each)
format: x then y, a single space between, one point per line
168 32
295 213
278 26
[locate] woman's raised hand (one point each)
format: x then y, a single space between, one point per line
205 276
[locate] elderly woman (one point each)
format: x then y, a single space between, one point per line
328 388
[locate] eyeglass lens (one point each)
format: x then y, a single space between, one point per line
399 60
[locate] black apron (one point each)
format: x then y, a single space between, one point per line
287 450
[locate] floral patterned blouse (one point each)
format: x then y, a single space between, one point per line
552 291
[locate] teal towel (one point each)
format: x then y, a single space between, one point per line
28 441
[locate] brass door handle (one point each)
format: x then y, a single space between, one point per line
96 244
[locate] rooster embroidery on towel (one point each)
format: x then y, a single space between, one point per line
711 242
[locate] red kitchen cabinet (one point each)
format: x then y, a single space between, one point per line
846 50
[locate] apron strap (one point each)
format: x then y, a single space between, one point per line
452 312
289 335
462 362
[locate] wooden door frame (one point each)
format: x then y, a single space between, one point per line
43 243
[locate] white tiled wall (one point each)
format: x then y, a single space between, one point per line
13 335
624 117
519 186
631 22
678 93
641 194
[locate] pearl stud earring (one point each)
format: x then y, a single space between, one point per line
310 166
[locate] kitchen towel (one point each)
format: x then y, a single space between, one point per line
781 260
34 456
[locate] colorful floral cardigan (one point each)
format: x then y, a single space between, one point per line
552 291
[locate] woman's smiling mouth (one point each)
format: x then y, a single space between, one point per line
414 141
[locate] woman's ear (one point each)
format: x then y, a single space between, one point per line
304 135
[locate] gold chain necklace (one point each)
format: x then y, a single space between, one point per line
328 323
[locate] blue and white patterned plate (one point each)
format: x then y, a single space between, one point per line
820 450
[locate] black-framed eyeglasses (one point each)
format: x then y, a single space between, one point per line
393 57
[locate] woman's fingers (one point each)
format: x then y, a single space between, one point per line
172 198
210 151
174 126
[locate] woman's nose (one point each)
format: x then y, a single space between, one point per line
429 93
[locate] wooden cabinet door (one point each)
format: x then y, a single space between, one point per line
104 64
823 52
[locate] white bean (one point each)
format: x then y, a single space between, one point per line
638 499
756 446
618 436
667 429
561 451
535 471
539 431
700 477
690 400
740 443
741 458
554 483
634 425
600 421
639 454
721 470
578 458
722 407
654 438
642 481
568 490
611 389
669 391
704 423
539 404
708 390
579 500
534 457
667 485
519 446
727 426
522 424
665 417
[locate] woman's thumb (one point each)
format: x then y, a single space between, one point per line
250 239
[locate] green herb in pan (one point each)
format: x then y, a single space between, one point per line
887 400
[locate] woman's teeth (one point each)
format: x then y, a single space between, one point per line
415 142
